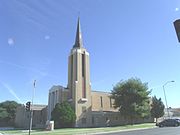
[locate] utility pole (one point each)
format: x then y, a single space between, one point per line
165 96
31 111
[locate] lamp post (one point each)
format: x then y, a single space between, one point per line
31 111
165 95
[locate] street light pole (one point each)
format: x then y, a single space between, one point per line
31 111
165 96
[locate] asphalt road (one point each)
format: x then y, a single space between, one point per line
152 131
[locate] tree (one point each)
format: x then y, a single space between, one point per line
131 97
3 114
63 115
157 108
8 112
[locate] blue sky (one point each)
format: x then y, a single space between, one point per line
125 39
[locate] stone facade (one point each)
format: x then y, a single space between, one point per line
57 94
22 118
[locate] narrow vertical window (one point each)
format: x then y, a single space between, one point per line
83 78
110 100
71 68
107 119
83 120
76 66
101 101
92 119
53 99
83 65
71 75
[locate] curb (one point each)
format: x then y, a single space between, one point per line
122 130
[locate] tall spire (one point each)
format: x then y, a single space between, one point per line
78 40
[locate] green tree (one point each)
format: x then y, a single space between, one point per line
157 108
3 114
132 99
8 112
63 115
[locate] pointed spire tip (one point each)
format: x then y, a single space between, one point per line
78 40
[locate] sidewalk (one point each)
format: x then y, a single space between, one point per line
83 131
119 131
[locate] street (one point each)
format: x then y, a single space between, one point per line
153 131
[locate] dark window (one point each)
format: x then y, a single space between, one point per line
92 119
101 101
107 119
71 74
71 66
83 120
83 79
83 88
76 66
83 62
110 102
28 116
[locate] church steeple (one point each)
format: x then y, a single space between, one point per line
79 85
78 40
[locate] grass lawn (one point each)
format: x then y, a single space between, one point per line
77 131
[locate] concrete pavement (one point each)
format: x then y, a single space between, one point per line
151 131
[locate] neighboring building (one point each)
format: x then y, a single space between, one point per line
57 94
92 108
22 119
175 112
171 112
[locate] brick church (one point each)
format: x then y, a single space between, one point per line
92 108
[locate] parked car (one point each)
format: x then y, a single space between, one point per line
178 120
169 123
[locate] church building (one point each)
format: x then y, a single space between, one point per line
92 108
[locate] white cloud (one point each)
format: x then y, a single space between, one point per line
176 9
11 41
47 37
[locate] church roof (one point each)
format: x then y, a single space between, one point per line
78 40
98 91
